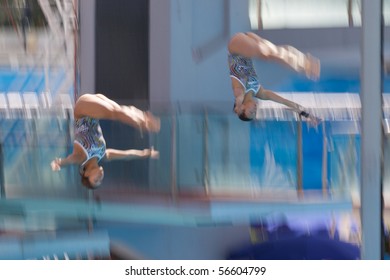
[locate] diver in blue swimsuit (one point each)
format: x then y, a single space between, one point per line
245 83
89 146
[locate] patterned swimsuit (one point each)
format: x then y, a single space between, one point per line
88 134
241 68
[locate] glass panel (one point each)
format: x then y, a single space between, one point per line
28 147
202 150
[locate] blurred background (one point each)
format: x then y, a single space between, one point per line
222 188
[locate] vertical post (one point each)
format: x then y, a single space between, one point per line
46 65
2 180
299 157
90 211
350 17
324 178
206 154
259 15
372 133
69 143
76 54
173 158
87 47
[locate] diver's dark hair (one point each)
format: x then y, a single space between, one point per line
86 183
85 180
242 115
244 118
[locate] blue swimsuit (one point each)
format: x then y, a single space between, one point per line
241 68
88 134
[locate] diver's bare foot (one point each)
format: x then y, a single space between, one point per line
312 67
152 123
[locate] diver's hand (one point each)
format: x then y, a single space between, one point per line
312 120
56 164
152 153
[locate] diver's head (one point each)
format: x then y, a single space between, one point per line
245 108
92 176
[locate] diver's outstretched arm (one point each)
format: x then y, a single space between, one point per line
113 154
